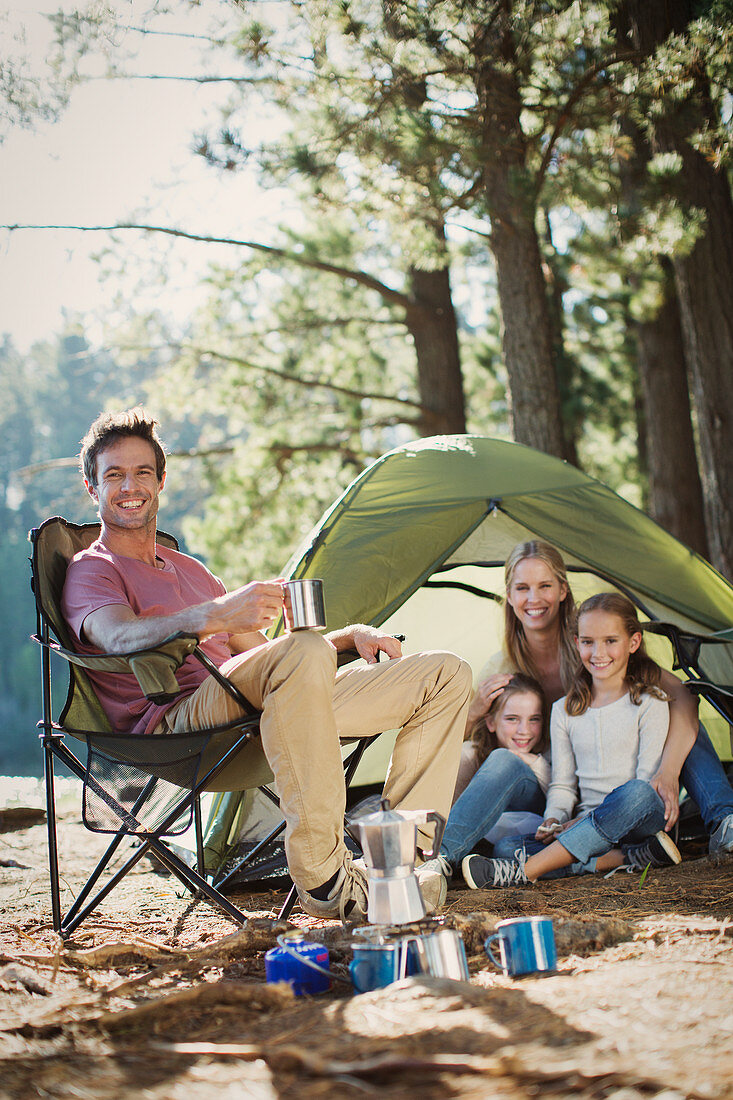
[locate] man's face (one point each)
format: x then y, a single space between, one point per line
127 486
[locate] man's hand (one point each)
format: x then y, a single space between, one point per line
369 642
252 607
666 784
366 640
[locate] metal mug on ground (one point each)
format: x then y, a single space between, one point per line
441 954
303 604
526 945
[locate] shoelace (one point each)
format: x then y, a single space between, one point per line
507 871
504 872
353 881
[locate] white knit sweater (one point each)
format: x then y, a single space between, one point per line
595 752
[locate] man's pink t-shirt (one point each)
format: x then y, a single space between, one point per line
98 578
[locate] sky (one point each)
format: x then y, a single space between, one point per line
120 151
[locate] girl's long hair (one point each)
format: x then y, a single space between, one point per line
484 740
642 673
515 639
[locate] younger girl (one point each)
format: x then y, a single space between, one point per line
607 734
507 748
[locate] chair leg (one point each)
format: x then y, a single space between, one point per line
106 859
219 883
289 905
190 879
200 856
53 854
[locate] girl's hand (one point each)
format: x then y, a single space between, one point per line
547 830
486 692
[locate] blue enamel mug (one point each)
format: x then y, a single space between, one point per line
526 946
378 964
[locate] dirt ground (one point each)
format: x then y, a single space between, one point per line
162 997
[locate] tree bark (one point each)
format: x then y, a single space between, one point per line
704 277
667 451
675 492
509 193
431 321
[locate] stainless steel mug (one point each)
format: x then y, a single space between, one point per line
303 605
442 954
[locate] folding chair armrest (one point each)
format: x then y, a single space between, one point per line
706 687
154 668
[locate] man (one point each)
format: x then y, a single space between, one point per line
126 593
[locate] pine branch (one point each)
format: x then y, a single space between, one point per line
567 111
389 294
286 376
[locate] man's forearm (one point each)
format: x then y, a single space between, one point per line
116 633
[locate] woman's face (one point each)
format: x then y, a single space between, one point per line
518 723
535 594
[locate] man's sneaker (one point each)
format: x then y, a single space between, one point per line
659 851
433 877
480 872
722 839
349 898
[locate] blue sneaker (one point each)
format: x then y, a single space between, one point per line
722 839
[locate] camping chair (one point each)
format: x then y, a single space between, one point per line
142 787
689 651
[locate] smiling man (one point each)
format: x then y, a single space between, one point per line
127 593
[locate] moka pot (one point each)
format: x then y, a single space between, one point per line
388 839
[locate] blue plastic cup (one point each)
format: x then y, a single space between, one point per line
378 964
526 946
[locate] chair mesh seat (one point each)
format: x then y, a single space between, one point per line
140 792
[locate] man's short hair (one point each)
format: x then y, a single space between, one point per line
108 428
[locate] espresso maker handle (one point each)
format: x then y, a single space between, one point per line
433 815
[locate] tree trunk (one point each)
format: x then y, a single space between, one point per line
431 321
666 439
508 188
704 277
675 492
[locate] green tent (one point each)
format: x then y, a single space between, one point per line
417 544
414 539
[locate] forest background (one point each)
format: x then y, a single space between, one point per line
512 218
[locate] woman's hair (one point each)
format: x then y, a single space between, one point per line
515 640
484 739
642 673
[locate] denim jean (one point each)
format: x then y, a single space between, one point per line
706 783
628 815
503 782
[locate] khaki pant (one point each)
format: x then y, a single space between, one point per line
308 707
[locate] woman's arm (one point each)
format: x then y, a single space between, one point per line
486 692
683 725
